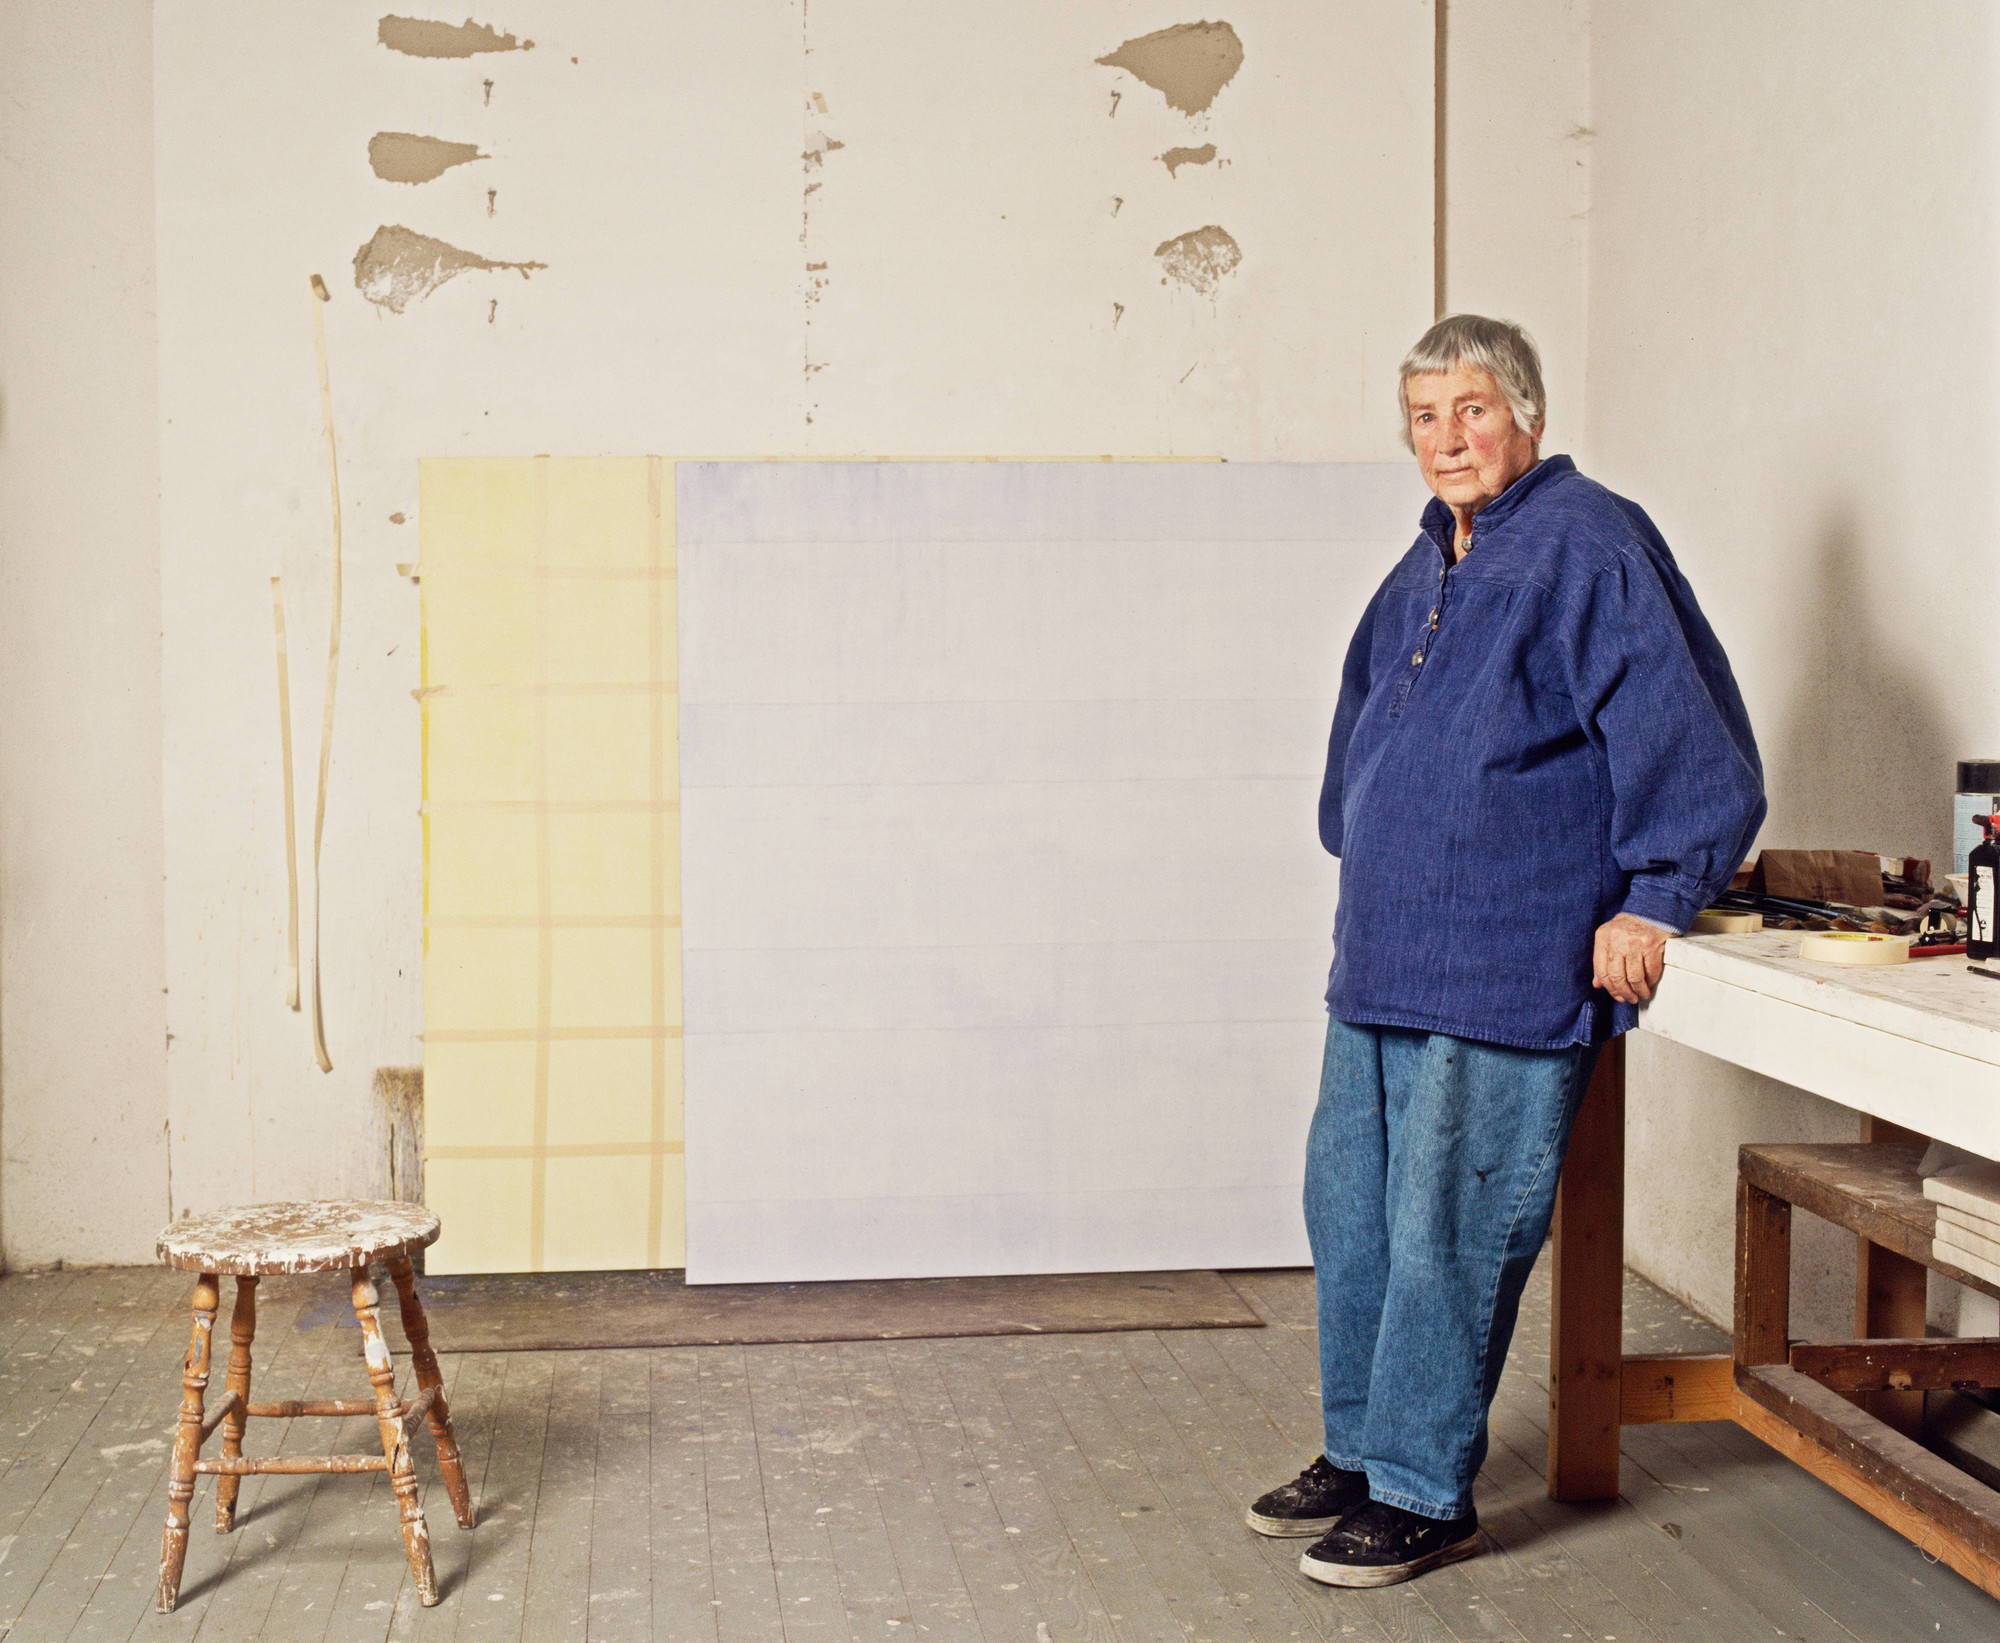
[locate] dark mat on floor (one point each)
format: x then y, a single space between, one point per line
568 1311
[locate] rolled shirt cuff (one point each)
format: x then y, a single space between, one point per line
1660 902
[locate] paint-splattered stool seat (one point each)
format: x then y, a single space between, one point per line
327 1235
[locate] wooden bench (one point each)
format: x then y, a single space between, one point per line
1835 1407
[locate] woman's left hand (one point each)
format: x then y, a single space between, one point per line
1627 958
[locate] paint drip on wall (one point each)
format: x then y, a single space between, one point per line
399 265
422 37
1199 258
404 157
1175 158
1186 64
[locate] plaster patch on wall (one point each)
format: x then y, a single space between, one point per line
399 265
424 37
1199 258
405 157
1186 64
1175 158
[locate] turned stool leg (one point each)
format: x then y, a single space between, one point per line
242 1331
418 1331
395 1441
187 1444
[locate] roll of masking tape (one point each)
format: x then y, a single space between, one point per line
1853 947
1724 921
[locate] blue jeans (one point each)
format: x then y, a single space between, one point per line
1430 1180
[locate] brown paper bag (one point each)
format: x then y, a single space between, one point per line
1851 877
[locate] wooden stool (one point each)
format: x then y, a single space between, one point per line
329 1235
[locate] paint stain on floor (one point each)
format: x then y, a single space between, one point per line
1186 64
398 266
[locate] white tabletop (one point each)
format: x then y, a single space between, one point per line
1917 1043
1937 1001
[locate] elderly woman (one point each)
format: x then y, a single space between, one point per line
1540 768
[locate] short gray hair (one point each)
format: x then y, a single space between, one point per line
1473 342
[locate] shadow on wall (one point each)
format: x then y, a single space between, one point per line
1865 747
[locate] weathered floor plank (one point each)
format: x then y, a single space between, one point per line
496 1580
1136 1607
739 1535
677 1508
1066 1597
556 1599
987 1554
620 1593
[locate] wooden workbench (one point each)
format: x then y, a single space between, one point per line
1914 1049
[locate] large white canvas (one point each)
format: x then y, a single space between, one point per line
1006 919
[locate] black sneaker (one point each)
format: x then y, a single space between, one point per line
1312 1503
1379 1544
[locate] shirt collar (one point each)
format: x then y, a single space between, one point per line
1439 524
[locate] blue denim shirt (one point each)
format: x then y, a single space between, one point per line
1527 742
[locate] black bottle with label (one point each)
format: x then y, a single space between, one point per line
1982 892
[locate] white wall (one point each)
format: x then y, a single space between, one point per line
1517 182
1791 343
82 1017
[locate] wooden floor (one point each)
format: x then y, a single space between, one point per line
1033 1489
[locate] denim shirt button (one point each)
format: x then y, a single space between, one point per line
1417 657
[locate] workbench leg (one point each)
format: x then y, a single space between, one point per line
1763 1330
1586 1336
1889 1301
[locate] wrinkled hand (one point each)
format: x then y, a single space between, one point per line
1627 958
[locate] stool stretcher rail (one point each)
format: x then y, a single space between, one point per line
244 1466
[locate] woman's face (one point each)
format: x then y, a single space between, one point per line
1467 442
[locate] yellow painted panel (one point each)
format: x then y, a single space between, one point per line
597 1213
601 978
599 517
601 1091
600 748
477 510
485 1208
601 864
552 852
482 747
480 980
482 864
480 1090
484 630
599 632
673 1211
673 1110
